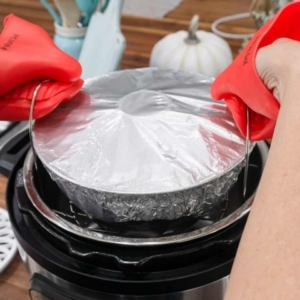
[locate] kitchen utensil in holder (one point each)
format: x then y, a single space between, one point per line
69 40
104 45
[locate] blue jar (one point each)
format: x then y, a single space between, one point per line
69 39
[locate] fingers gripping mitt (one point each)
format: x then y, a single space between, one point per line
28 57
240 85
15 105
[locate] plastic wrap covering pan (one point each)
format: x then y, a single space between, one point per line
142 145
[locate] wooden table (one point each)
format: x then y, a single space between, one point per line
141 34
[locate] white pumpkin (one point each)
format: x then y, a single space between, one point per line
194 51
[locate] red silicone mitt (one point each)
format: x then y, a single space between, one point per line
15 105
240 85
27 53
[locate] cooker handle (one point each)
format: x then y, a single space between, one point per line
12 152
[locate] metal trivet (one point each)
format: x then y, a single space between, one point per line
75 215
247 154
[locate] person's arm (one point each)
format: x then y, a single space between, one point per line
267 266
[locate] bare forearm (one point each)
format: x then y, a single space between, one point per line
267 266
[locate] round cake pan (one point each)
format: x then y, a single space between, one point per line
142 145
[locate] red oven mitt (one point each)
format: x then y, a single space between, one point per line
28 57
240 85
15 105
27 53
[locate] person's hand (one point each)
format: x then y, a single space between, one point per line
278 65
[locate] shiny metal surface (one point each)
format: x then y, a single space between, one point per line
107 238
212 291
35 93
21 126
141 145
247 155
4 125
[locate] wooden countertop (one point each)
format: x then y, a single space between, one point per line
141 35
